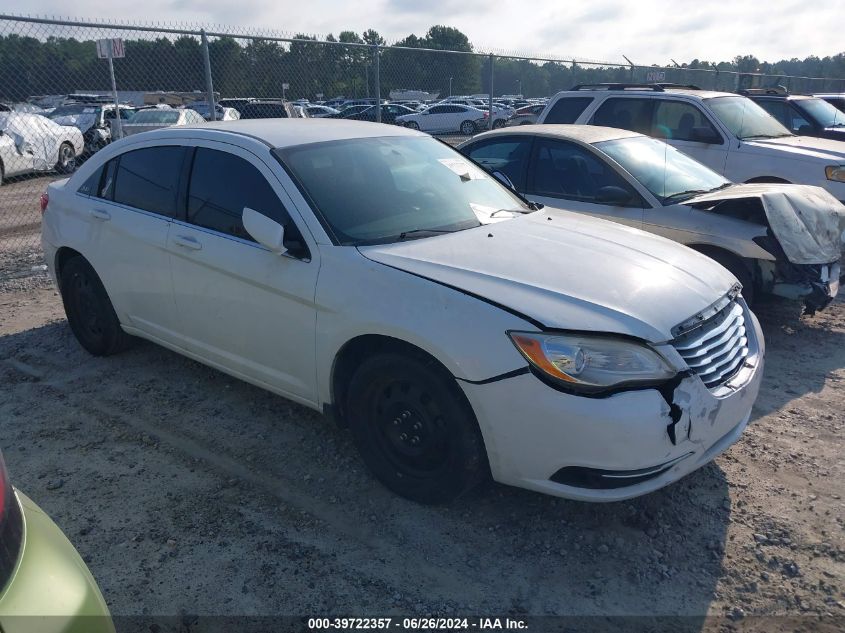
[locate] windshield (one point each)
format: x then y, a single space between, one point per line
822 112
745 118
669 174
166 117
378 190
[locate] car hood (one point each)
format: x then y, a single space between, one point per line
806 220
802 146
569 271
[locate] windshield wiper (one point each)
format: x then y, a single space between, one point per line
512 211
405 234
690 193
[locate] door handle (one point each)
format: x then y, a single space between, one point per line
187 242
99 214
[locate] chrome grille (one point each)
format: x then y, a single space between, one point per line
716 349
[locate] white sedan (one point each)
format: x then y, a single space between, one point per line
445 118
31 143
375 274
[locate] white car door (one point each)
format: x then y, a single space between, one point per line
568 176
241 307
434 119
129 204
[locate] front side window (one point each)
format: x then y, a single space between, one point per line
626 114
825 114
679 121
379 190
565 109
745 119
669 174
148 179
509 156
221 185
777 109
565 170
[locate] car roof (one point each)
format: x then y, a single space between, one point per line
687 92
290 132
584 133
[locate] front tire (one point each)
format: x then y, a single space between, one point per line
467 128
738 268
89 310
414 429
66 163
498 124
412 125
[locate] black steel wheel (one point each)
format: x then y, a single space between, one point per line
414 428
89 310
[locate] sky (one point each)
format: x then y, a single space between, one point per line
646 31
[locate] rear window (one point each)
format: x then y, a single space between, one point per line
148 179
567 109
158 117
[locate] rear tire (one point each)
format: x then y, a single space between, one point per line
467 128
89 310
414 429
498 124
66 163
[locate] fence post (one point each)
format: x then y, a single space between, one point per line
490 118
209 86
377 82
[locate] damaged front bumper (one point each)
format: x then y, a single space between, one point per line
816 285
615 447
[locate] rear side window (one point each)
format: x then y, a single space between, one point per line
148 179
509 156
222 184
567 109
627 114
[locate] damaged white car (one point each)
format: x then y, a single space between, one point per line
373 273
31 143
775 238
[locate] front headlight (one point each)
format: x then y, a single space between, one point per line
835 172
590 363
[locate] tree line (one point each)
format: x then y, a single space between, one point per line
259 68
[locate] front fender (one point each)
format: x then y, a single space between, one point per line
356 296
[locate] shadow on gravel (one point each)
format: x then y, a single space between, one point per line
284 490
802 353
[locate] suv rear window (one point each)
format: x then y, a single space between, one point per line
626 113
567 109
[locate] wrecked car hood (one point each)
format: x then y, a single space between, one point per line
82 122
806 220
569 271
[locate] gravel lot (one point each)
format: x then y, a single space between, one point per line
187 491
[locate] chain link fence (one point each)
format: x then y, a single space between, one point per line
57 105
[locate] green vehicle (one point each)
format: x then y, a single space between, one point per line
44 584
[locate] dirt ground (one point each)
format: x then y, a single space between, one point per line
187 491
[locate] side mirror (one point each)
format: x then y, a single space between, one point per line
265 231
612 195
503 178
706 135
